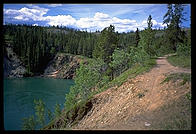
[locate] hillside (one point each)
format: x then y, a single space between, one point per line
142 103
63 66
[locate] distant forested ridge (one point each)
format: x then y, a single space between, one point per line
36 45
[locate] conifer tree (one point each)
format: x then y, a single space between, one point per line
107 43
137 37
147 38
173 18
168 16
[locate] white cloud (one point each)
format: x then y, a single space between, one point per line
10 11
21 18
64 20
24 13
162 25
100 16
98 22
18 17
155 24
85 23
101 20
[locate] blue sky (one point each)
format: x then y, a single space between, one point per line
90 17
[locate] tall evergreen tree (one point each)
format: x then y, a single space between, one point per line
168 16
149 22
107 43
137 37
173 18
147 38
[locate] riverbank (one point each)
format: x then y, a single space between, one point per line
62 66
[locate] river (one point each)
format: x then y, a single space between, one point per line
19 94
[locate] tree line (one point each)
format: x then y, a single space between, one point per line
36 45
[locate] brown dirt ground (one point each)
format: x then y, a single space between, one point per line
122 108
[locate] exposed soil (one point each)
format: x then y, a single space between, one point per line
62 66
53 74
141 103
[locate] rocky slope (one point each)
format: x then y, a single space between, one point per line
12 65
63 66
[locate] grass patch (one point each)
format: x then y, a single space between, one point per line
181 61
179 117
178 123
130 73
178 76
175 115
189 96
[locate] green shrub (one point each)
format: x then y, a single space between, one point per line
104 80
50 115
57 111
183 50
163 50
120 60
40 111
88 76
137 55
29 123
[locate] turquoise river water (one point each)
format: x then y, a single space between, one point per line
19 94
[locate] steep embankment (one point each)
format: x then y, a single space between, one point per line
63 66
12 65
143 103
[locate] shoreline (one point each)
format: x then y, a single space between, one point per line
37 76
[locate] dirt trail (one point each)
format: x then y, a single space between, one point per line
136 105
